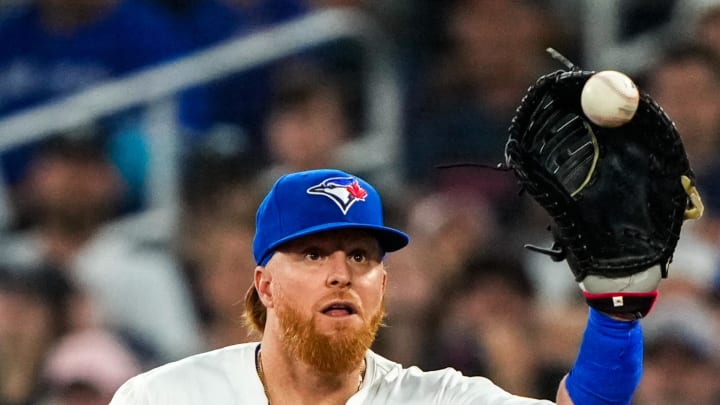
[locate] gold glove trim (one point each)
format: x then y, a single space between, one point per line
695 206
596 155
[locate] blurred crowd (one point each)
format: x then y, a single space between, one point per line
97 285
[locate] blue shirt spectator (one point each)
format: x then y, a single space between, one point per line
237 102
52 48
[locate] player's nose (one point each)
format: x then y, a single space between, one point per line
339 271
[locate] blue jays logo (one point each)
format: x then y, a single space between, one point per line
344 191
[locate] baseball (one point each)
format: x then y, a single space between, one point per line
609 99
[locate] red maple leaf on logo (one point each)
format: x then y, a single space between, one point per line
356 191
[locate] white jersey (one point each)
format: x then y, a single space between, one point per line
228 376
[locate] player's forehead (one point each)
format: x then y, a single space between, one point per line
335 239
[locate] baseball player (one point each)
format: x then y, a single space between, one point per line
317 299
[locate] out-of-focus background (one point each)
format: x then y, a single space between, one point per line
137 137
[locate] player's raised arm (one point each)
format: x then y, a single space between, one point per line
618 196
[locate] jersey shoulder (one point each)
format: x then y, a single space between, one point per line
388 382
218 376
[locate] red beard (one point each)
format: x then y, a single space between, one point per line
332 354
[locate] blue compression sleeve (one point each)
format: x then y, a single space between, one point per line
609 364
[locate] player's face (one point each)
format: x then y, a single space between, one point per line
336 279
327 295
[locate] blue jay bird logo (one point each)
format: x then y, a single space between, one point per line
344 191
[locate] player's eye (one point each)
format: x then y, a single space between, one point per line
313 254
358 256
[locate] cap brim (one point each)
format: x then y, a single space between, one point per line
390 239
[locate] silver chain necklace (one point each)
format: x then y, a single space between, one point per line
261 373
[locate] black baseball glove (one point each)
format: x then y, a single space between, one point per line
617 196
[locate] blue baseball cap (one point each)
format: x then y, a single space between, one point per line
313 201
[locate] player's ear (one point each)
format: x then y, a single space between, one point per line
263 279
384 280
